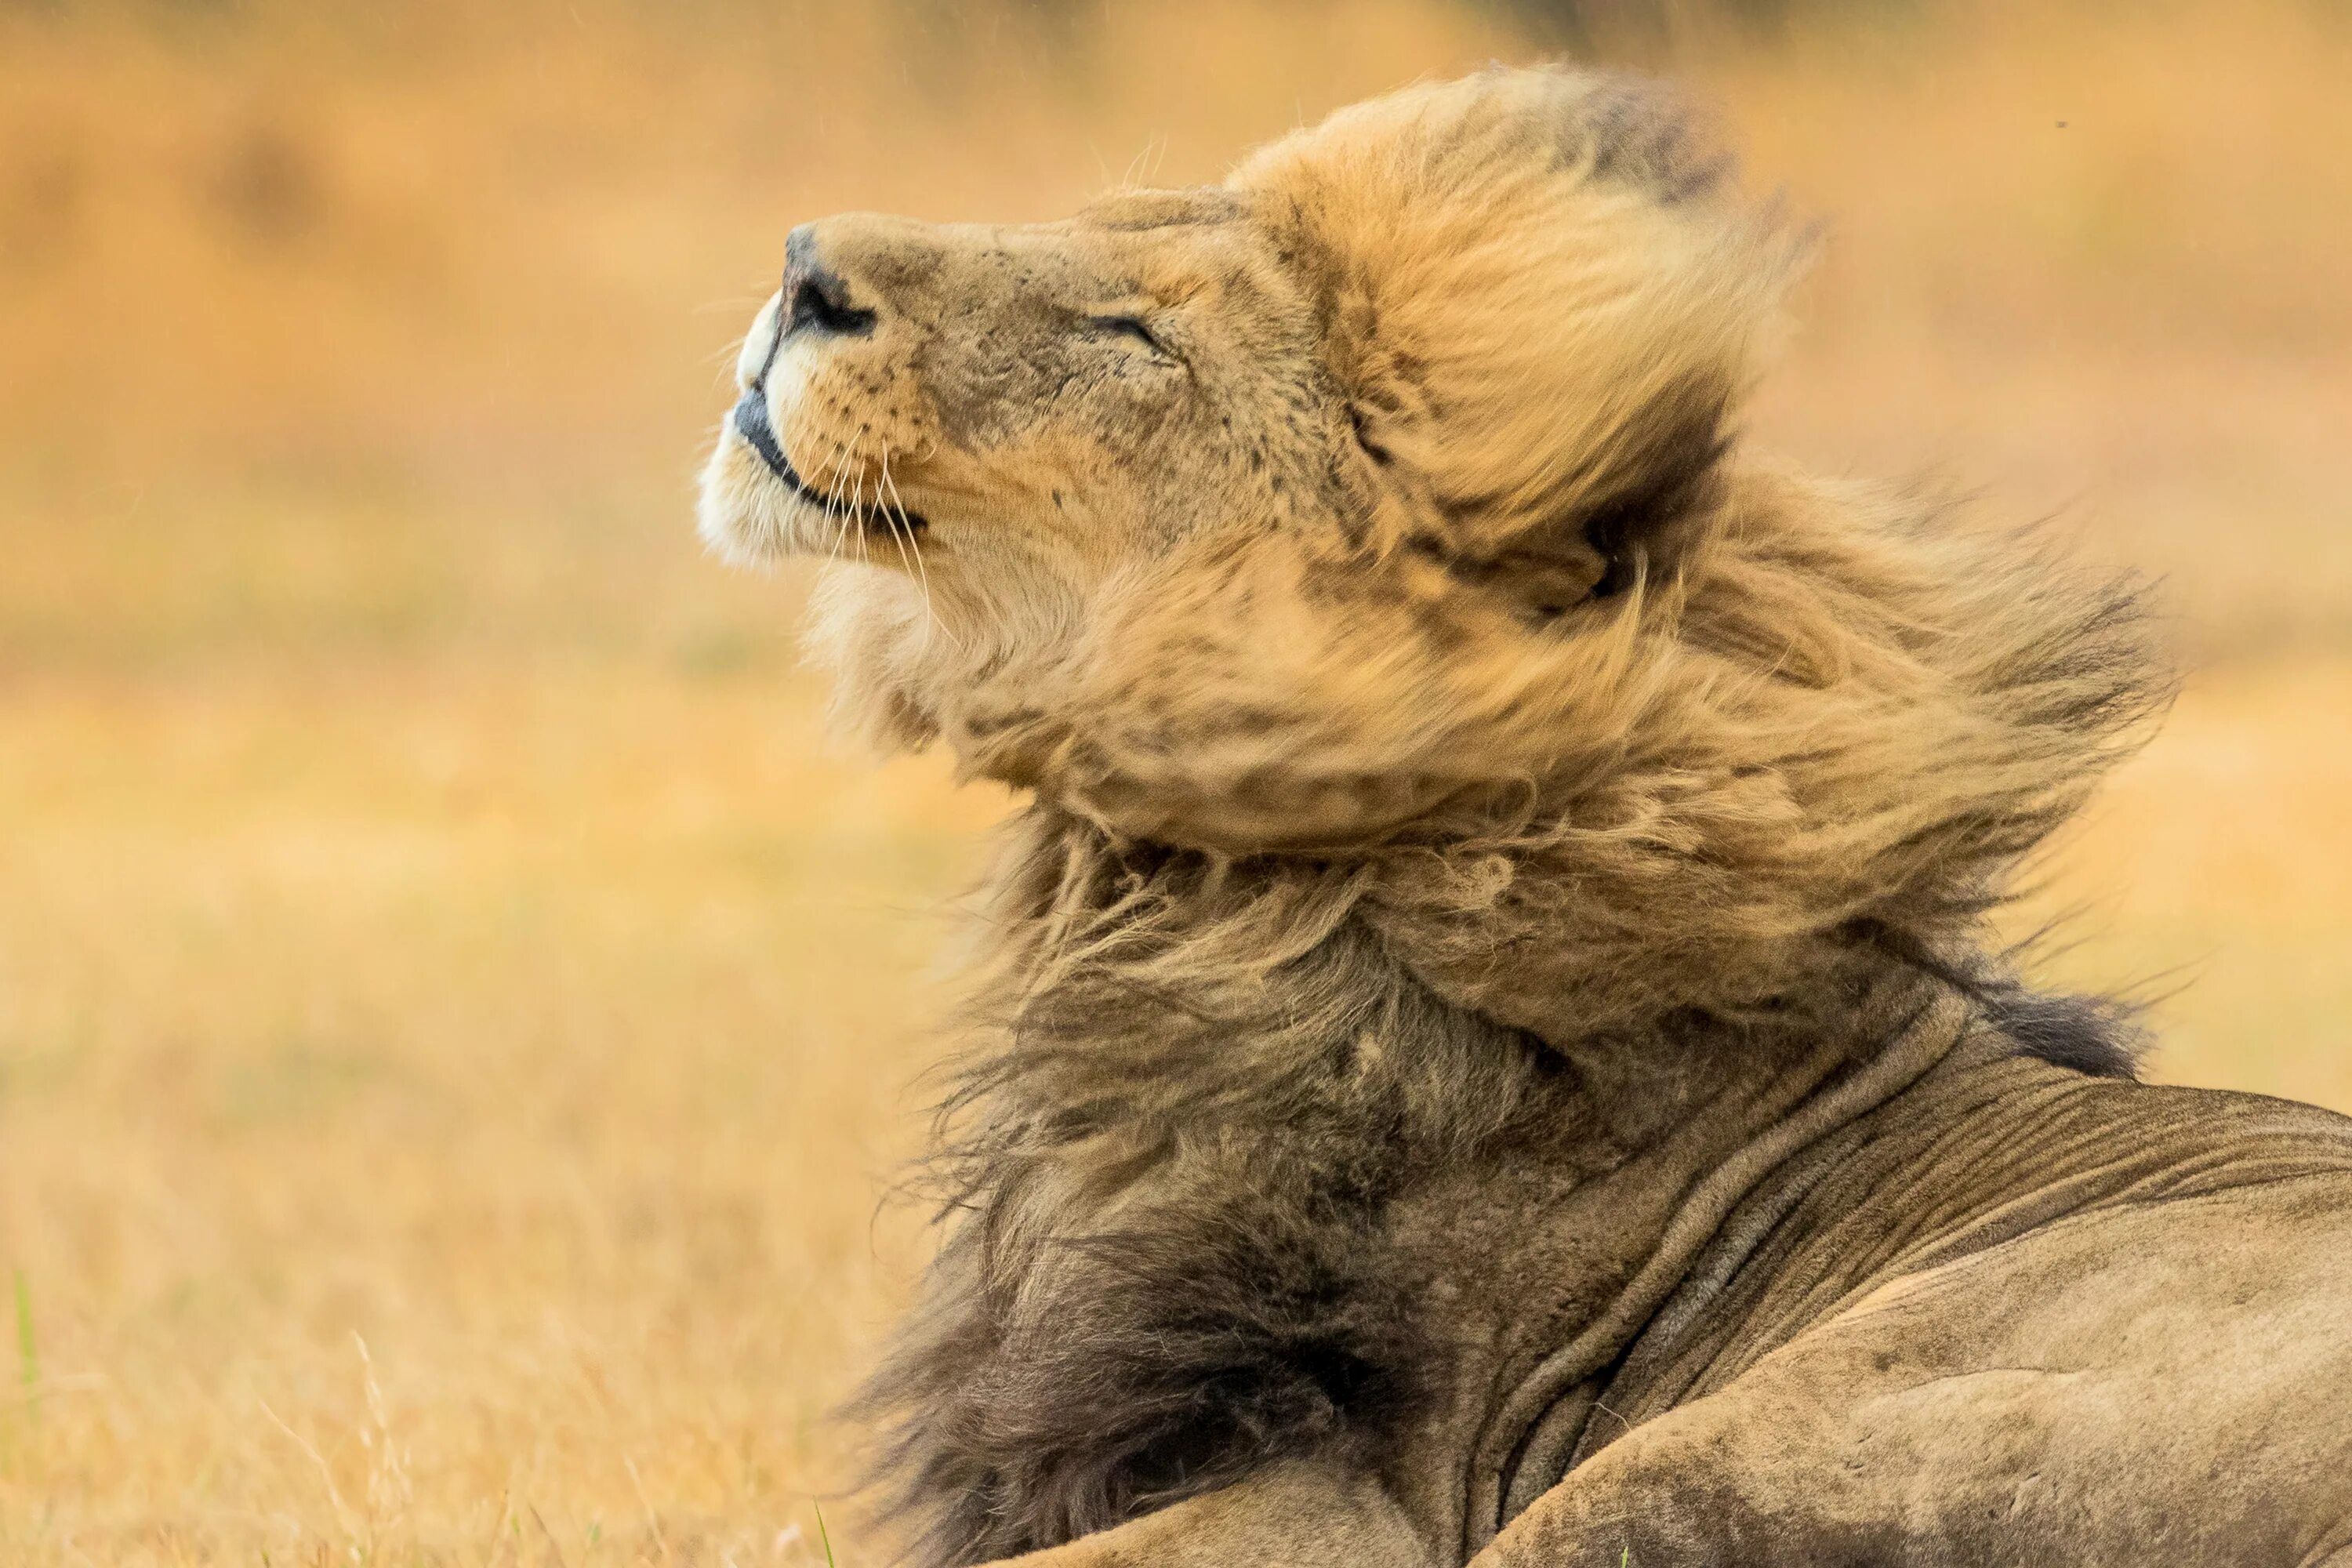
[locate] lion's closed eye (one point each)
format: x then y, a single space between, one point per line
1135 328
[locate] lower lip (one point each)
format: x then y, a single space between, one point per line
750 421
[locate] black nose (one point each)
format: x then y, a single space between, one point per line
817 299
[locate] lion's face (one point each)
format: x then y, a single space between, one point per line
1008 416
1256 514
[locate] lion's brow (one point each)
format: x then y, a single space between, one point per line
1187 209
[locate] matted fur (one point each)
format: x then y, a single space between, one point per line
1449 749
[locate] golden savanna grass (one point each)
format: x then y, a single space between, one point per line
455 1019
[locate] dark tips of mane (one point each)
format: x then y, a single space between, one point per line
2098 1036
1641 134
2093 1035
1663 479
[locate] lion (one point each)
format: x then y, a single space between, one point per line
1488 1045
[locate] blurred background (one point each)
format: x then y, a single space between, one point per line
457 1017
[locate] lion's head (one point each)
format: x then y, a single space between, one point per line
1462 354
1384 506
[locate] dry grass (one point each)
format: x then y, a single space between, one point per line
454 1021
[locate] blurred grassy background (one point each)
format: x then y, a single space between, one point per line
454 1015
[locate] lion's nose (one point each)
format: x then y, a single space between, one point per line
817 299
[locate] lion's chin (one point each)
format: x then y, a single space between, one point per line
754 511
744 515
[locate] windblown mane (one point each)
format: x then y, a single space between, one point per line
1830 739
1356 850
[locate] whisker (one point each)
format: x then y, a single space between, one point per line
931 617
844 459
838 520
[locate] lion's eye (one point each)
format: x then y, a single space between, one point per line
1132 327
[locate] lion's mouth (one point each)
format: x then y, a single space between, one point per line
751 422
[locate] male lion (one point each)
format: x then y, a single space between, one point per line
1494 1049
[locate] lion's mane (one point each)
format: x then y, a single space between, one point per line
1338 872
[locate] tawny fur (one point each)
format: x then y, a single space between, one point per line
1451 749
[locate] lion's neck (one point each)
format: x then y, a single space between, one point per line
1174 972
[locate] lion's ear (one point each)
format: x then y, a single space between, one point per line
1547 299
